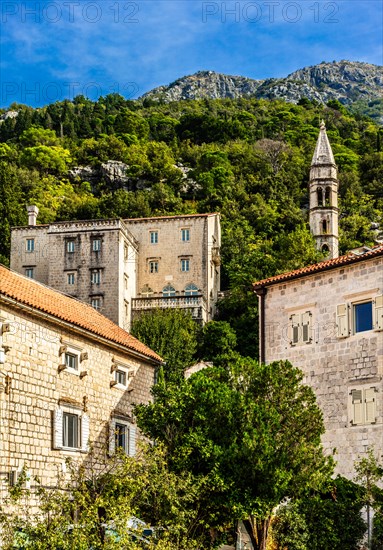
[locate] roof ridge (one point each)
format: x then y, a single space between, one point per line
69 309
345 259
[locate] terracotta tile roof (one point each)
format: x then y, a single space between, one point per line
45 299
349 258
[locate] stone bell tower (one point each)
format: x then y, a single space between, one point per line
323 189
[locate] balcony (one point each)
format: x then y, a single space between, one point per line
195 304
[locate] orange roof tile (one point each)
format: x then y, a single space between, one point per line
349 258
63 307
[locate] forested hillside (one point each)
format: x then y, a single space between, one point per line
247 158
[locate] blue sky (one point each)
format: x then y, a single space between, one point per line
52 50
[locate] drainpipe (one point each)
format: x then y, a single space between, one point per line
261 293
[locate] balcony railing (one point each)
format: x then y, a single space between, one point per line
195 304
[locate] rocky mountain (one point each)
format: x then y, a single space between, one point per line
350 82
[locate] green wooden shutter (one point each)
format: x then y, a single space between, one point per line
357 406
378 313
342 320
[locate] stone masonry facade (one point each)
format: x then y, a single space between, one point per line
124 267
42 397
330 324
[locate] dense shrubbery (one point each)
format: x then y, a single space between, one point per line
247 158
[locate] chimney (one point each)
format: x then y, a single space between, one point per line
32 214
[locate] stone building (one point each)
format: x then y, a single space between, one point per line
327 319
68 379
123 267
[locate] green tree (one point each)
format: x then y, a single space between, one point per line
172 333
253 431
12 208
218 338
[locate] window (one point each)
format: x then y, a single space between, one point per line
30 245
96 276
362 317
71 361
168 290
359 316
122 436
320 196
70 246
126 282
363 406
185 235
70 428
191 291
324 226
96 303
96 245
29 272
300 328
121 376
71 278
126 252
153 266
153 237
185 265
146 291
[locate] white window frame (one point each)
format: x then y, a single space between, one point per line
129 375
29 272
95 276
185 235
300 328
185 265
346 318
362 405
153 266
130 447
71 278
153 237
82 426
96 245
96 303
73 353
30 245
70 246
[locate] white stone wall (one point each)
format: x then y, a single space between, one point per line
32 387
333 365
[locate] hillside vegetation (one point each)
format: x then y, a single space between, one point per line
246 158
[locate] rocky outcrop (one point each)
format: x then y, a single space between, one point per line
346 81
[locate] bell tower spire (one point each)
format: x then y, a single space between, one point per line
324 197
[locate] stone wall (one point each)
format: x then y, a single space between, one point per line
334 365
33 386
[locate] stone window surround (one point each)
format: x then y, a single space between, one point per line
116 419
153 236
347 328
30 244
129 371
68 348
82 426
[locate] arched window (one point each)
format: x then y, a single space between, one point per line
320 196
191 291
146 291
325 249
168 290
327 197
324 226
